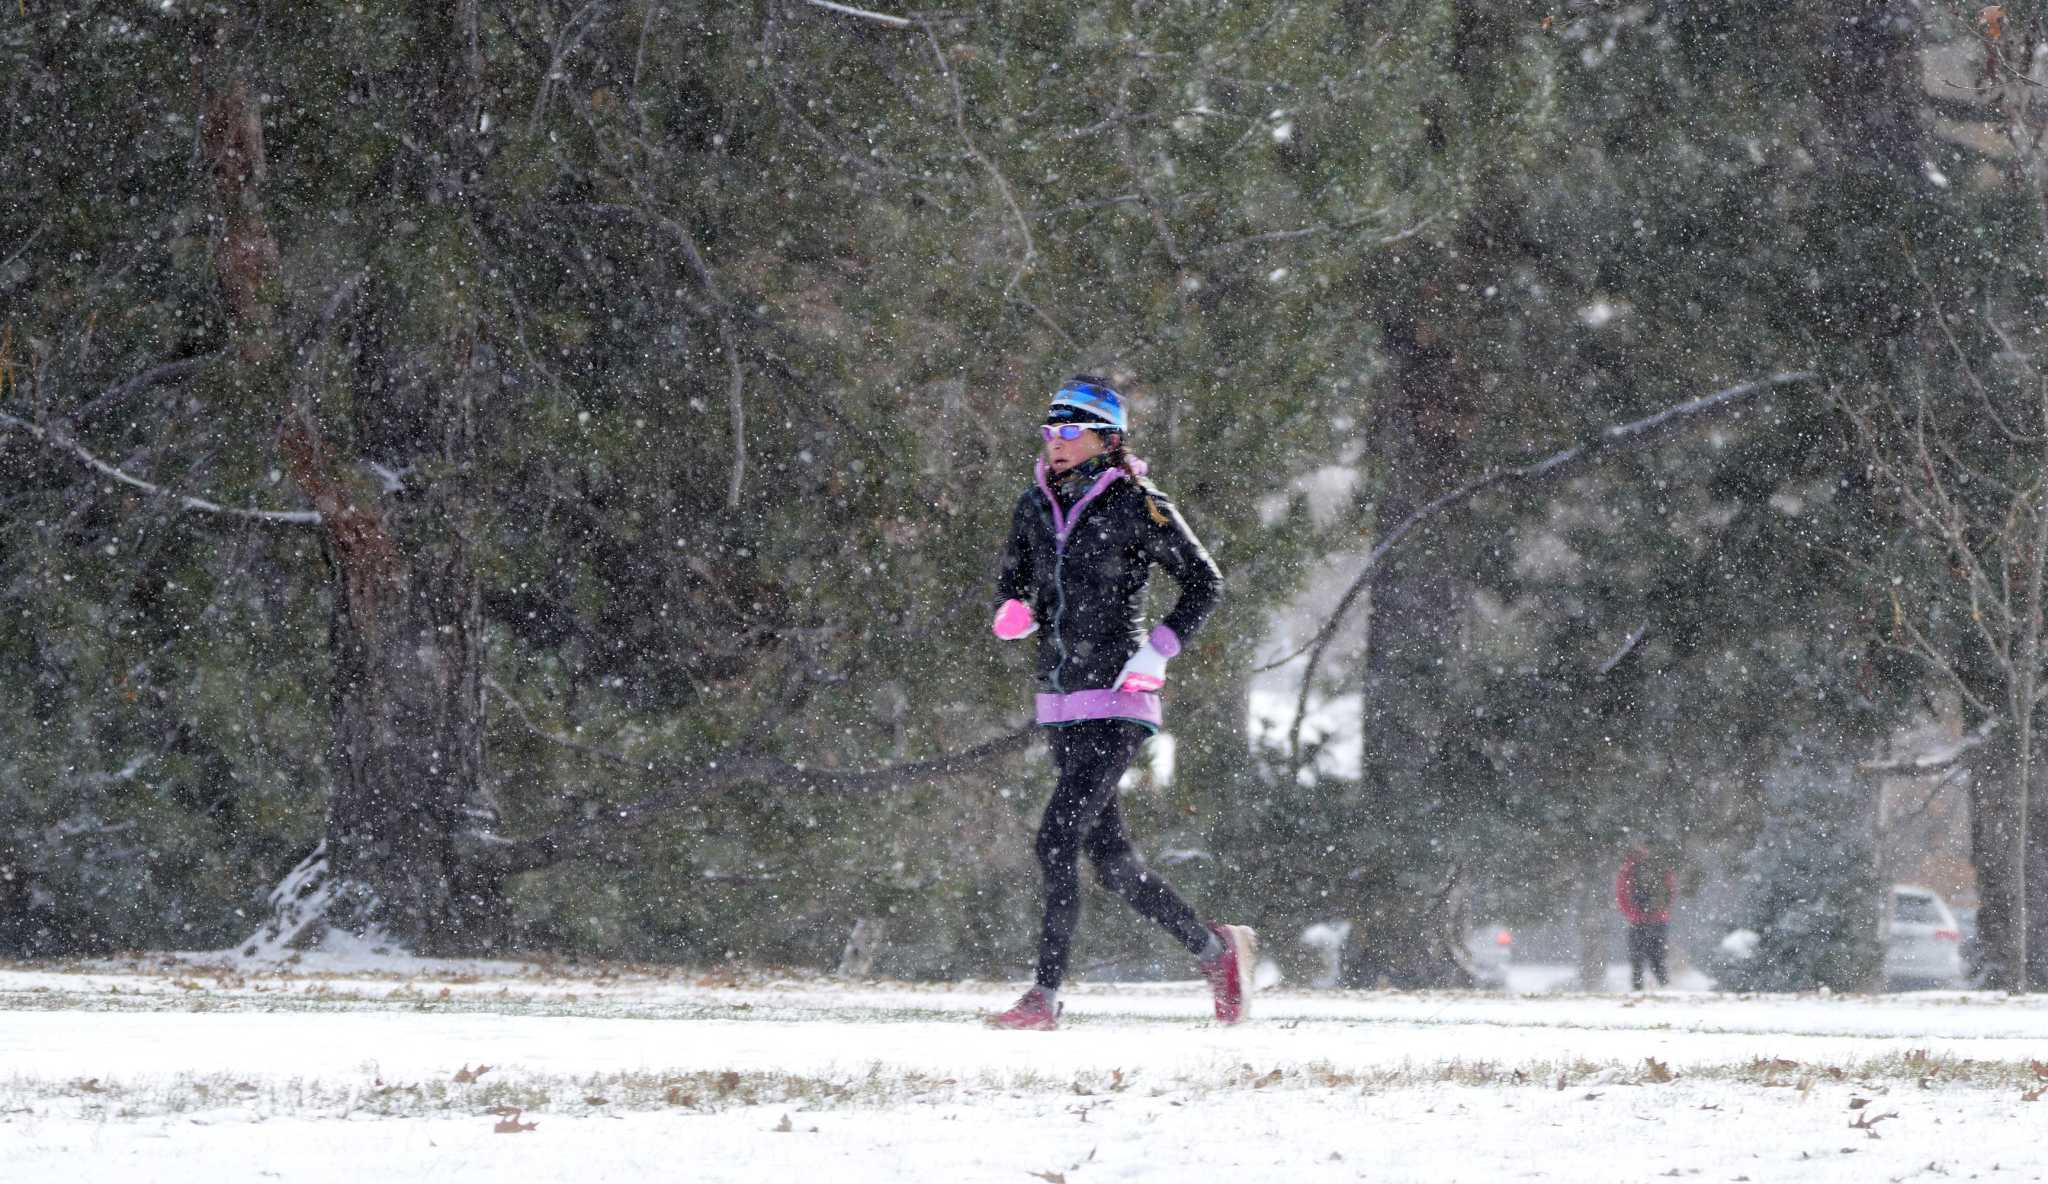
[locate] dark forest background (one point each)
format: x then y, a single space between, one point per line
526 477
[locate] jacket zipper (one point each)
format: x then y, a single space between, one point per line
1059 611
1059 584
1059 590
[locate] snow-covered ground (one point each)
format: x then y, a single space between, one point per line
180 1071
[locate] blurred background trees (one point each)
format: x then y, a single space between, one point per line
661 374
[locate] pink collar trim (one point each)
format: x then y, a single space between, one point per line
1063 521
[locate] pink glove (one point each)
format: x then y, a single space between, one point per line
1014 620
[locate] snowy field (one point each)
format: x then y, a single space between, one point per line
181 1071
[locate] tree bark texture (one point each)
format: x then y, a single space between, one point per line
1410 755
1423 420
409 815
1994 842
245 254
1595 919
408 850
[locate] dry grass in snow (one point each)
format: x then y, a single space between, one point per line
183 1070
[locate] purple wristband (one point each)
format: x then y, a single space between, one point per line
1165 640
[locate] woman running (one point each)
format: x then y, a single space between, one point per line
1082 544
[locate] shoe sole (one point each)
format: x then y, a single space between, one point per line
1000 1026
1049 1024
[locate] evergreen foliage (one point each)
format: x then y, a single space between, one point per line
692 350
1810 882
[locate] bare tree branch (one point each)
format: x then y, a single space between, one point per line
1557 464
576 838
167 372
737 395
566 41
1962 358
1273 236
982 158
766 356
1952 525
1935 758
1127 147
57 440
1014 289
693 256
1932 514
1926 651
30 241
881 18
1628 646
1948 777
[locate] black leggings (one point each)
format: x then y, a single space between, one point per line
1083 817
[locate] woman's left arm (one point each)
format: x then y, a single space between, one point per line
1173 546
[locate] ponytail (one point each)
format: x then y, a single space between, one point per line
1121 458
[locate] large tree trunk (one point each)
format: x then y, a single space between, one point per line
408 810
1423 420
1408 724
1993 847
1594 918
406 856
2036 888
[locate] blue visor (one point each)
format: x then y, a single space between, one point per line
1097 403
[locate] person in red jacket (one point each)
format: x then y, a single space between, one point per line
1643 889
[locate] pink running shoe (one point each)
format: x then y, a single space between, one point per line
1032 1013
1230 974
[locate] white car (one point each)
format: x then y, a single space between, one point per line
1923 941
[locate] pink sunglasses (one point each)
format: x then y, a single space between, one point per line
1071 431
